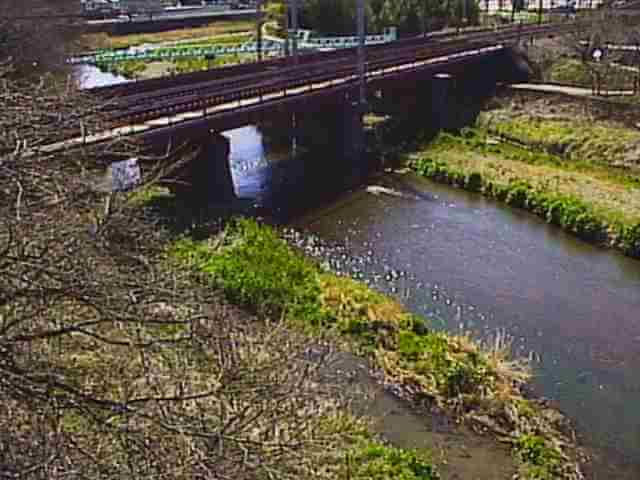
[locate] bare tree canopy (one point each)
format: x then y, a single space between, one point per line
37 44
114 364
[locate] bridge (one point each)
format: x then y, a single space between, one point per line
322 85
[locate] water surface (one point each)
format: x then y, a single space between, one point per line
89 76
473 264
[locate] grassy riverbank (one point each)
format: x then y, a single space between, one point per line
583 178
139 69
574 72
479 383
212 32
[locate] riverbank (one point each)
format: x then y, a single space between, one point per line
210 32
581 176
476 383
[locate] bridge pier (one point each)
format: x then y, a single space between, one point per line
206 177
333 130
440 101
349 135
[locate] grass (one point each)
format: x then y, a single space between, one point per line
223 28
374 461
129 69
580 141
132 69
197 64
259 271
541 460
580 198
575 72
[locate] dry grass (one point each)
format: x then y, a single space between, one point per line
103 40
609 197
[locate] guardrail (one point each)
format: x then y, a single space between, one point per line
307 42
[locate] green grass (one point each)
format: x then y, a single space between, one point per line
226 40
375 461
541 461
259 271
128 69
580 141
213 30
575 72
134 68
188 65
255 269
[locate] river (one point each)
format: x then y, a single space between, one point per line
89 76
474 265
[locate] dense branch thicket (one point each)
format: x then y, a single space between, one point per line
588 44
114 364
32 42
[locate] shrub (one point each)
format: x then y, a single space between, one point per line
379 462
258 270
454 371
630 241
541 461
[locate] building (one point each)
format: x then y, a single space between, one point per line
92 6
502 5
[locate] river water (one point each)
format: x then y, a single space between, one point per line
473 264
89 76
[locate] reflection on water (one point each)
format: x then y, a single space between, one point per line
282 182
89 76
479 266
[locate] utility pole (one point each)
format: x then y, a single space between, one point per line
464 13
287 40
259 28
361 54
540 13
294 29
424 19
486 11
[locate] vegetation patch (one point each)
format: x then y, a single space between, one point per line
374 461
584 142
541 460
574 72
188 65
129 69
216 29
257 269
602 221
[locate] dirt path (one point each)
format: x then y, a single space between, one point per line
566 90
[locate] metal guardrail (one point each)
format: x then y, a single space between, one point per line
268 46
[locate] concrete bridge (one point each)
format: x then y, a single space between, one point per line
416 74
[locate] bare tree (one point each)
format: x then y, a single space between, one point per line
589 44
114 363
